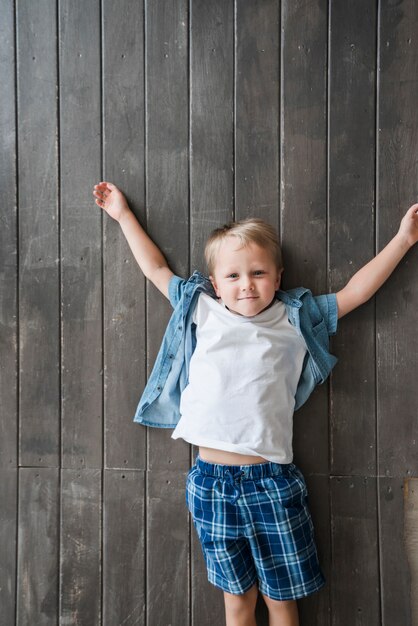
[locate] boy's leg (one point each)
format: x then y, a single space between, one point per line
282 613
240 609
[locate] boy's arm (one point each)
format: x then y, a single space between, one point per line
369 278
148 256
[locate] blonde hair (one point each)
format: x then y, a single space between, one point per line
250 230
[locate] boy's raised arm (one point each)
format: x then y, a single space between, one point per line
371 276
148 256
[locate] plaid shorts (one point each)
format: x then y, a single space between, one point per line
254 526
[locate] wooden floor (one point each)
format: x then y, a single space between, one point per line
303 113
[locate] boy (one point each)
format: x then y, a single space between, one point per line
238 357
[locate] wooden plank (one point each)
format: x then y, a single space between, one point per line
355 595
38 234
303 200
257 110
8 242
167 537
123 548
167 152
351 229
396 306
80 549
303 143
411 541
211 87
397 300
38 544
395 576
8 524
167 182
81 299
211 191
124 289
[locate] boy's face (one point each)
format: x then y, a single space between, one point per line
245 278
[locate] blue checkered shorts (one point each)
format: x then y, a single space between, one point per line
254 526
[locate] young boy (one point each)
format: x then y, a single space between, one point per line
238 357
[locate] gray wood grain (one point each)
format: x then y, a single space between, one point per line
394 569
411 542
167 183
355 594
257 85
38 234
397 301
303 200
37 554
167 207
8 242
123 284
212 111
351 229
80 547
81 245
124 548
8 525
167 532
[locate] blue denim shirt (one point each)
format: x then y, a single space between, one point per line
314 317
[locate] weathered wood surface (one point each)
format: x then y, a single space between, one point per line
81 238
123 547
303 113
355 592
396 311
80 547
124 299
8 243
38 272
8 541
8 319
351 185
38 540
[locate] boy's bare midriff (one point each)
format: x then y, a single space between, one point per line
228 458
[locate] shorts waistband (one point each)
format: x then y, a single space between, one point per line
252 472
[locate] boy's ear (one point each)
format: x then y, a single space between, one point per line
214 285
279 278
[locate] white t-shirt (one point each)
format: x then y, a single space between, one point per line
243 377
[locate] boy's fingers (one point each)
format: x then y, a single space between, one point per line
107 184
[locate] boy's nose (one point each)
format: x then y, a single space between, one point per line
247 284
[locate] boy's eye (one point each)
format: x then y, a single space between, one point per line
259 272
233 275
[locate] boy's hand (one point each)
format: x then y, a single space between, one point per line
371 277
109 198
148 256
408 229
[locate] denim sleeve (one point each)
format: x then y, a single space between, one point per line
328 306
175 289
